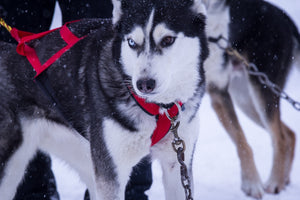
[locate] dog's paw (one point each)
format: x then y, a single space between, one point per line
253 189
274 187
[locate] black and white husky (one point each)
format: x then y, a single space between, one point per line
267 37
152 48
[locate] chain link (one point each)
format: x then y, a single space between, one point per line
253 70
179 147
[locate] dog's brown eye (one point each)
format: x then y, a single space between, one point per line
167 41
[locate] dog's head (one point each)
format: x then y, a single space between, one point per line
162 47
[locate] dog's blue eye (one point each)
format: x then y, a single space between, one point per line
132 43
167 41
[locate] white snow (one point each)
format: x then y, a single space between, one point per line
216 165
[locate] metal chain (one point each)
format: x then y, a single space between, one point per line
179 147
253 70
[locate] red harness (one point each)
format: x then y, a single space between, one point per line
163 122
25 50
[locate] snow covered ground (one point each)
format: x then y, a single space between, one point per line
216 165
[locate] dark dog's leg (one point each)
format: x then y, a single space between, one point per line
223 106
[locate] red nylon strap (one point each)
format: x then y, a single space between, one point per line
163 124
18 35
23 49
150 108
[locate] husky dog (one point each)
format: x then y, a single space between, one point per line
267 37
152 49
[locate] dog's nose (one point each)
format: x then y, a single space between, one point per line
145 85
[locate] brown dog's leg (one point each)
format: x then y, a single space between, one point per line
283 140
223 106
266 104
290 151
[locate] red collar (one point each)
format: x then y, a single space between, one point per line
163 124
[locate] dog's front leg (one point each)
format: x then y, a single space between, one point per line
223 106
164 152
114 152
111 180
112 175
171 180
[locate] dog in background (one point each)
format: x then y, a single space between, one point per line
267 37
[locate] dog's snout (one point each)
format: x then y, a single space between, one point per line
146 85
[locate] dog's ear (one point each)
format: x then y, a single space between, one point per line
199 6
117 10
199 10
